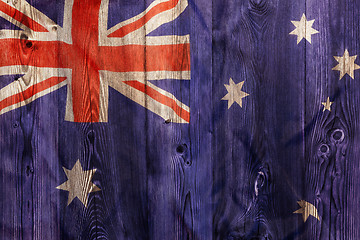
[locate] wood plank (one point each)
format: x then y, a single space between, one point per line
199 165
44 166
332 162
12 148
257 161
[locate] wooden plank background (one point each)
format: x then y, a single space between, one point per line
231 173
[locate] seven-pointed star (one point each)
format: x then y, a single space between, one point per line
327 104
79 183
307 209
234 93
346 65
303 29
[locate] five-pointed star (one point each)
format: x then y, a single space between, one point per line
234 93
303 29
327 104
79 183
307 209
346 65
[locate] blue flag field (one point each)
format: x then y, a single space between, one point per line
179 119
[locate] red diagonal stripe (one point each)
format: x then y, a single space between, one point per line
162 7
161 98
31 91
20 17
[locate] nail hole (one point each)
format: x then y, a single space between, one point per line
29 44
29 170
167 121
15 125
180 149
54 28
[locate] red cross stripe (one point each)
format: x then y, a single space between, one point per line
93 58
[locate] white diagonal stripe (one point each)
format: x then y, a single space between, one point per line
115 80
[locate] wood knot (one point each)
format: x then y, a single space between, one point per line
23 36
259 182
28 44
91 136
29 170
337 136
262 232
324 150
336 174
181 148
15 125
167 121
259 5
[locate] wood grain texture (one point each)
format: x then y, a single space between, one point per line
331 144
232 173
12 147
258 171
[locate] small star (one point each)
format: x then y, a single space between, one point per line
327 104
234 93
303 29
307 209
79 183
346 65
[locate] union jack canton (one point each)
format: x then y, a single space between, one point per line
88 57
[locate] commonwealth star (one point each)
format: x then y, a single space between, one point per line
303 29
79 183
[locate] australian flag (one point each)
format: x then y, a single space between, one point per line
179 119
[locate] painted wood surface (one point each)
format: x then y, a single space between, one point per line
231 173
